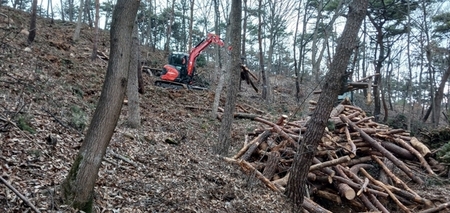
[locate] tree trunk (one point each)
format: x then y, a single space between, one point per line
62 11
87 12
149 29
134 117
316 125
191 24
294 47
218 65
439 96
302 50
265 90
224 141
409 90
77 188
378 65
169 27
71 10
97 16
32 33
315 61
244 31
76 34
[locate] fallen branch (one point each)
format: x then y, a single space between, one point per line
20 195
386 153
382 185
416 153
437 208
249 169
333 162
121 157
251 147
392 176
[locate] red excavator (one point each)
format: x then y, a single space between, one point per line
181 68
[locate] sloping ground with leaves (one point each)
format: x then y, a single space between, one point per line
47 95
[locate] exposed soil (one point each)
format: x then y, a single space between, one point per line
48 93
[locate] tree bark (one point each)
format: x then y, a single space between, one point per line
439 96
76 34
191 24
77 188
169 27
244 31
316 125
32 31
224 141
218 64
134 116
97 17
265 90
294 48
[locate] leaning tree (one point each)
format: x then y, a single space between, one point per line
347 43
78 187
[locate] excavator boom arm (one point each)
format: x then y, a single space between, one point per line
195 52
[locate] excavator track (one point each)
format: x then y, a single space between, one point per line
176 85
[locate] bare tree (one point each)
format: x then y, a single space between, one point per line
218 65
244 31
97 17
191 24
316 125
169 26
32 30
265 81
224 141
134 117
76 34
77 188
294 47
62 10
87 12
71 10
50 9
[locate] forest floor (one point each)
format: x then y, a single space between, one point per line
48 92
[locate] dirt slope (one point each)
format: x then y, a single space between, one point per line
47 95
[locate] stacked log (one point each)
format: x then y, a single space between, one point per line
360 162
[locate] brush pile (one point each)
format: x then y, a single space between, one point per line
358 163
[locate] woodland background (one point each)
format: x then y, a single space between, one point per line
403 43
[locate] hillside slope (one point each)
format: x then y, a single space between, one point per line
47 95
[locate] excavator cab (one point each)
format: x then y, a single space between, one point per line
178 59
176 69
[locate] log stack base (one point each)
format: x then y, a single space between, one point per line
366 165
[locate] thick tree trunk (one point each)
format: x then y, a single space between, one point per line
439 96
224 141
134 116
316 125
77 188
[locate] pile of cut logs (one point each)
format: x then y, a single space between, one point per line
359 162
